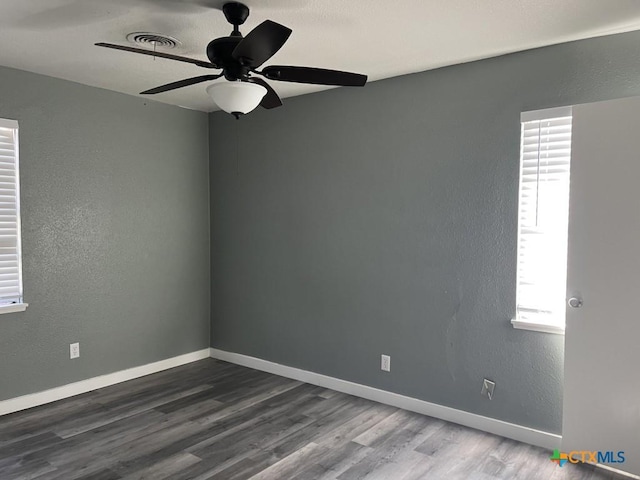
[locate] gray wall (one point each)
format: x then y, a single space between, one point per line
115 224
355 222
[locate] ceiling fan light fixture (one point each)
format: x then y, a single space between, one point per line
236 98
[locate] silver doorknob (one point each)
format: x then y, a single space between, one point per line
575 302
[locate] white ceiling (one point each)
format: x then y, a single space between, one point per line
380 38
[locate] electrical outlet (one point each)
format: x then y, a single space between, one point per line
487 388
74 350
385 363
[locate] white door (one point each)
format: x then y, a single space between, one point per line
602 343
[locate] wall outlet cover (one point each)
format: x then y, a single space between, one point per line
74 350
487 388
385 363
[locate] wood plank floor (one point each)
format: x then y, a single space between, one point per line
215 420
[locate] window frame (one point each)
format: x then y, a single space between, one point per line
19 305
543 323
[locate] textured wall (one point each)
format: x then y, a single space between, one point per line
351 223
115 229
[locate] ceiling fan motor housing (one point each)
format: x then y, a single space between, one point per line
219 52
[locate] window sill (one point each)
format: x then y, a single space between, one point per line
537 326
13 307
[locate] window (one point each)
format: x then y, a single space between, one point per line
10 254
543 220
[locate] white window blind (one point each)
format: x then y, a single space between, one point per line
10 255
543 217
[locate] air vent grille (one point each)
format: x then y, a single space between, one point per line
153 40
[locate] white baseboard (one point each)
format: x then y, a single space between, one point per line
83 386
498 427
616 471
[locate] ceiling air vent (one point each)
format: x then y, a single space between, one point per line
153 40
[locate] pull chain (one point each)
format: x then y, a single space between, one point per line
237 148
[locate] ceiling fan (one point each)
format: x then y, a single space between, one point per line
239 59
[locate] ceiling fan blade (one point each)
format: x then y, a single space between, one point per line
271 99
200 63
319 76
179 84
261 43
